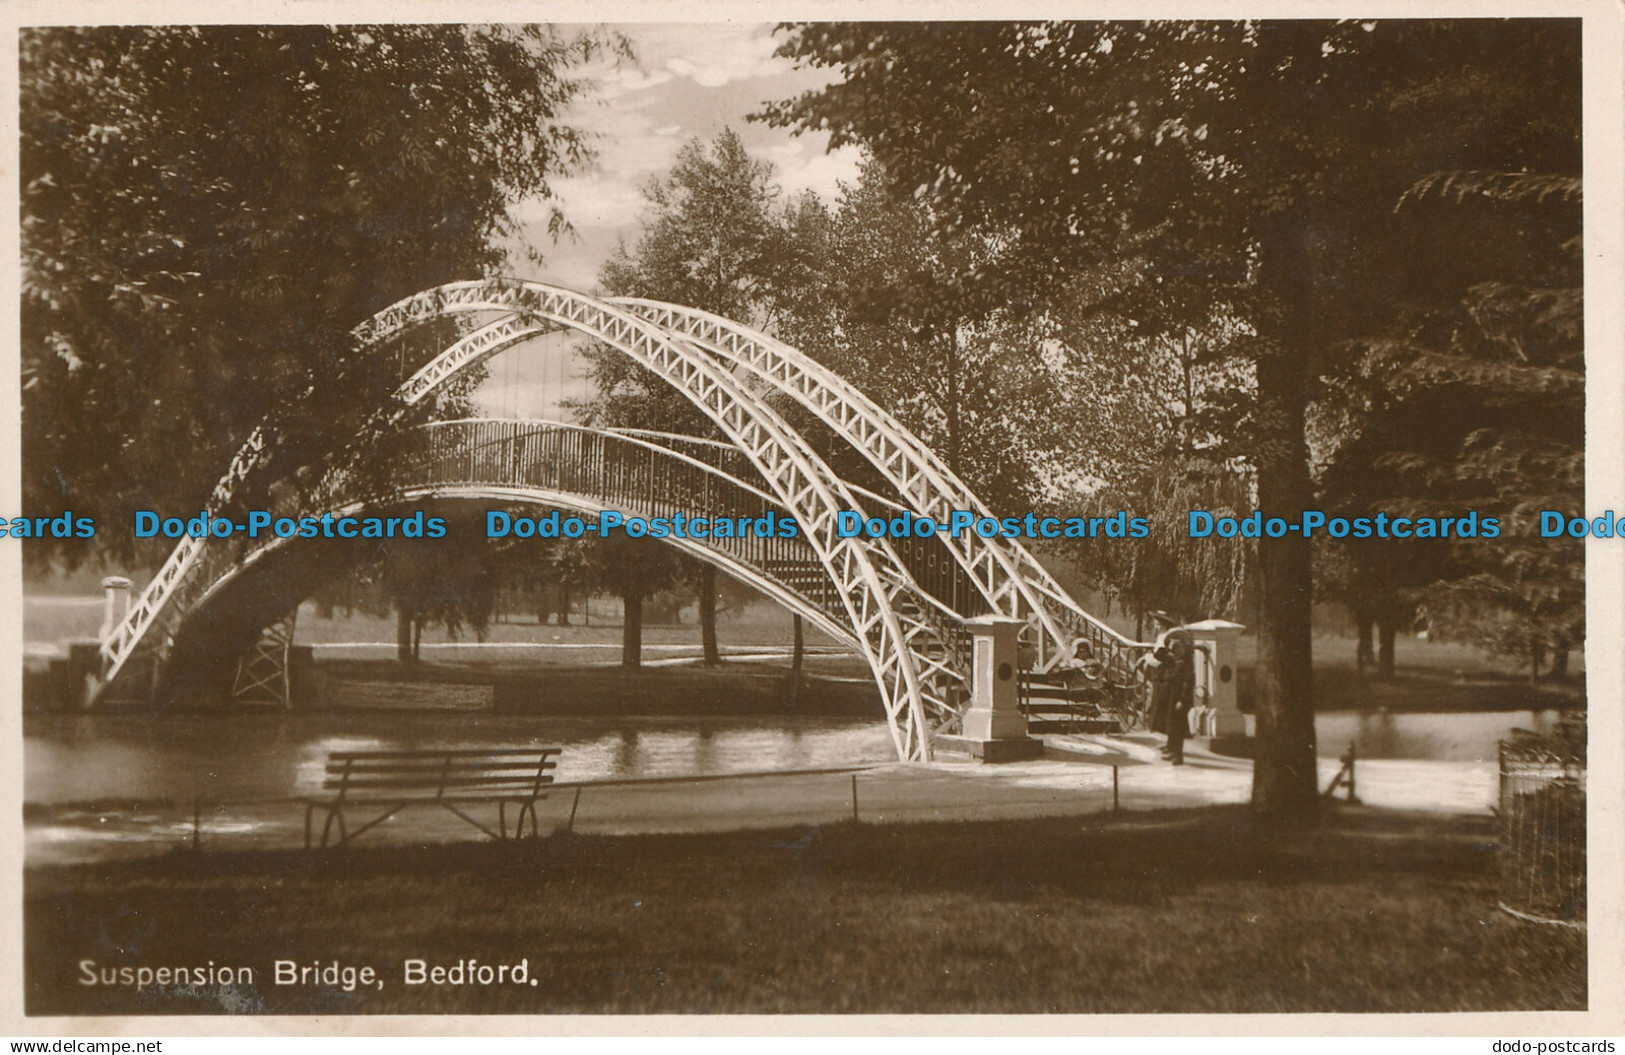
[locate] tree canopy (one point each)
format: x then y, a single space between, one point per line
1177 172
207 211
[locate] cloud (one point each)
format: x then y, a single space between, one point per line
803 163
690 81
711 55
533 380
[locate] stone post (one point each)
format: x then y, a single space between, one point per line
1215 641
117 589
994 725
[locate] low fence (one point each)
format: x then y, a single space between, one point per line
1543 825
102 830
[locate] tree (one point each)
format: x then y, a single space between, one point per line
892 312
1253 166
634 570
446 581
1159 420
1478 403
714 239
207 211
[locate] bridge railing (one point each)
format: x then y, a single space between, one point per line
629 474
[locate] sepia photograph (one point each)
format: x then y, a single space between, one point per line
1013 516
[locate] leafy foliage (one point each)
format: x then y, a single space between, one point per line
1185 172
714 238
893 312
1478 405
206 211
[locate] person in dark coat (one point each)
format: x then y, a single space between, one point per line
1159 669
1180 693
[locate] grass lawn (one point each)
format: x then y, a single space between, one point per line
1152 912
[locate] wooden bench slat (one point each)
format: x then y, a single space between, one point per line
493 791
530 752
404 783
390 781
430 767
436 773
522 796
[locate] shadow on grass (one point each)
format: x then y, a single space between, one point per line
1199 910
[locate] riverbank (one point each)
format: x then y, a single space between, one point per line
682 781
1171 911
575 670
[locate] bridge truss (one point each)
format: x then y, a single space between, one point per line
898 602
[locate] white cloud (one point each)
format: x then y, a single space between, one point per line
711 55
691 80
803 163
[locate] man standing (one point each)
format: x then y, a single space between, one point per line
1180 689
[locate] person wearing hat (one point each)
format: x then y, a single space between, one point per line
1181 693
1171 666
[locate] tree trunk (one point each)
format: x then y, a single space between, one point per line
564 605
417 639
796 655
1385 647
1537 656
1560 663
708 615
632 629
403 635
1364 654
1285 780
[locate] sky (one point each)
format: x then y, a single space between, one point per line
687 81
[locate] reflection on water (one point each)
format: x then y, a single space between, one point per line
247 757
221 758
104 786
1448 737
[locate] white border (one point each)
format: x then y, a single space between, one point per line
1605 482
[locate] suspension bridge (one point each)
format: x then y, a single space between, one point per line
215 619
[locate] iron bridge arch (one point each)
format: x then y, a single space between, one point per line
909 634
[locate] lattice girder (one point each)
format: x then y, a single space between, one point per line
874 585
1006 573
262 672
487 459
796 474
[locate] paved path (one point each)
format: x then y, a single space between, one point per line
1074 778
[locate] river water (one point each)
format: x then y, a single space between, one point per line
266 756
254 757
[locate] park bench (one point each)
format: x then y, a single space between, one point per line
391 781
1051 704
1080 699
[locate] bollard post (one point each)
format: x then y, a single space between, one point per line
854 798
1114 788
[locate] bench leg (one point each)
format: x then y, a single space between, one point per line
310 807
327 828
502 820
528 809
